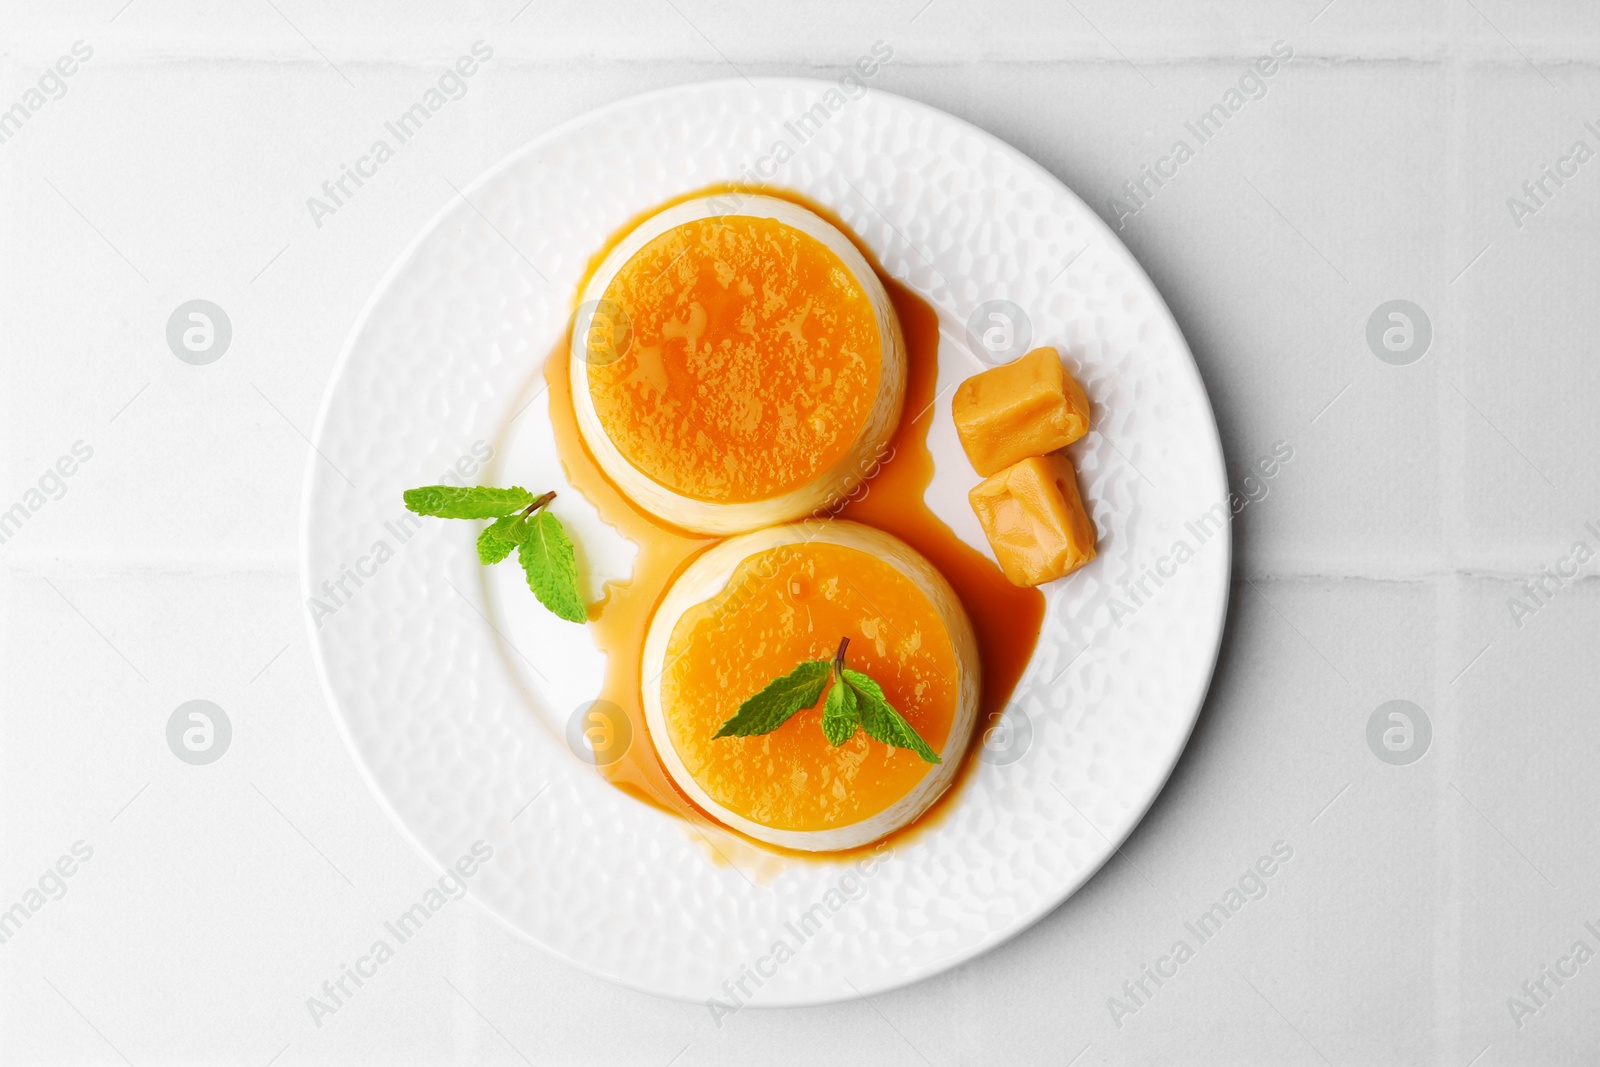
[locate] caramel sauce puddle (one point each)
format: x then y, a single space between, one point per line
1006 619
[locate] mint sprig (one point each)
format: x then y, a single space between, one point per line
854 700
520 523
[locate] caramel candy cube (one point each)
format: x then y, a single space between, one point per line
1034 519
1027 407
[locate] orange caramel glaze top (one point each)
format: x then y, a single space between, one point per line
753 363
1005 618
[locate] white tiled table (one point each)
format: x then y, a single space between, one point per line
176 164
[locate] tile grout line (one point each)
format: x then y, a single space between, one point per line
1451 415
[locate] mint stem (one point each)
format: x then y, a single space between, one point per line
539 503
838 658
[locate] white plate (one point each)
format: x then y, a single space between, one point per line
454 690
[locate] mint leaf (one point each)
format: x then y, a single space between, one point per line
467 502
778 700
548 560
840 714
499 538
881 721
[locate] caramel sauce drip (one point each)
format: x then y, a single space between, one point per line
1005 618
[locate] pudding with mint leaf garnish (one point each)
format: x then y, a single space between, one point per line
740 668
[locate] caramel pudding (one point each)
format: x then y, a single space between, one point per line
753 607
736 363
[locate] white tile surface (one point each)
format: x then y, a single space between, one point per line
1379 566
